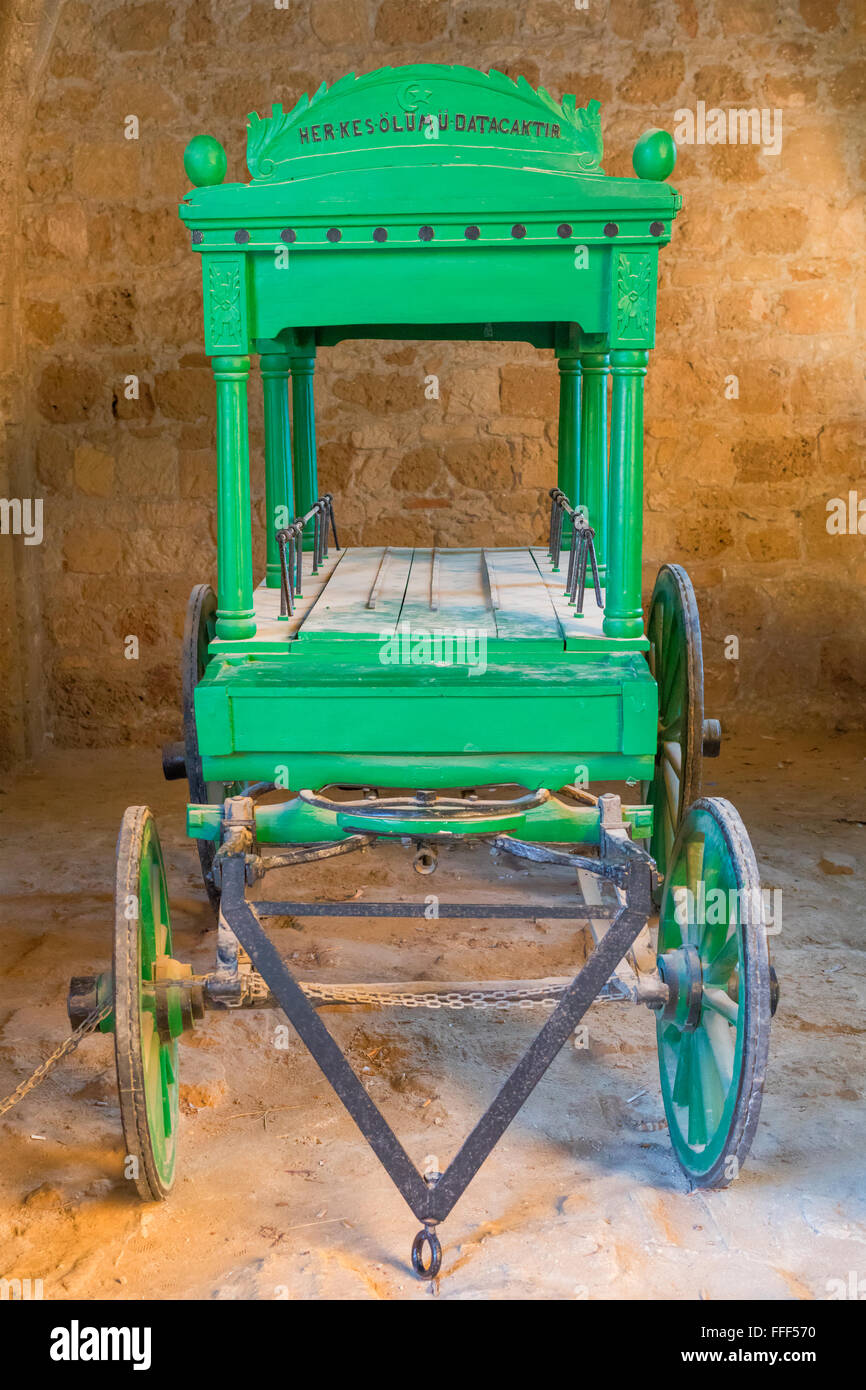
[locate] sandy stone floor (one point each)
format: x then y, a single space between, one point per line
277 1195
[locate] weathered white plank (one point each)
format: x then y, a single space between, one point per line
343 608
460 588
266 602
524 608
590 625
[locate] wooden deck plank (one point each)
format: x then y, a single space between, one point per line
364 595
524 610
509 593
590 625
266 602
459 588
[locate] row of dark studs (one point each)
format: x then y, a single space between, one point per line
518 231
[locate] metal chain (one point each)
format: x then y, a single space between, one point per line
92 1021
453 999
525 997
547 996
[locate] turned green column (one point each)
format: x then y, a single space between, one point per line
235 617
623 616
279 493
304 434
595 369
568 448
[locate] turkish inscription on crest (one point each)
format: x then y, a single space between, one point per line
429 122
488 112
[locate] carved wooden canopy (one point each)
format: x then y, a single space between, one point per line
429 201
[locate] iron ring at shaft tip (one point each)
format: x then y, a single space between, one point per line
427 1237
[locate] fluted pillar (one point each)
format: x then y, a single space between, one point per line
304 434
279 491
623 616
595 369
568 455
235 615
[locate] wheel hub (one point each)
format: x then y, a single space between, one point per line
177 996
682 973
179 999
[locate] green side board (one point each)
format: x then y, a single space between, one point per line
343 717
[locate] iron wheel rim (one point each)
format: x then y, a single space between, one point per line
676 662
199 630
147 1066
712 1075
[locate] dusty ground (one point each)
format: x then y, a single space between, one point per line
278 1196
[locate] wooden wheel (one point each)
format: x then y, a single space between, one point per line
676 661
714 1031
199 629
145 1053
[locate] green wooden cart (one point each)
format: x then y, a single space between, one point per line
498 684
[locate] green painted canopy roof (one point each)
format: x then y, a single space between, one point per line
429 160
428 139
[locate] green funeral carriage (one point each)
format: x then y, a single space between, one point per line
441 203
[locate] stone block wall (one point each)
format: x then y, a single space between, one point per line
755 411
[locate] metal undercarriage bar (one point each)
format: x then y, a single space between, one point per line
576 911
432 1196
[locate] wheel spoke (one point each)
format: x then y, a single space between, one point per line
154 1082
697 1112
656 635
669 835
715 931
160 931
723 1041
672 791
713 1090
672 728
166 1077
694 879
683 1079
724 962
673 754
673 679
721 1003
695 862
146 915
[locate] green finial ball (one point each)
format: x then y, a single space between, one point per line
204 160
654 155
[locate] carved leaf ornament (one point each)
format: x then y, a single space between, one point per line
634 282
225 303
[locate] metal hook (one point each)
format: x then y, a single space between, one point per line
316 533
299 556
286 607
333 522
